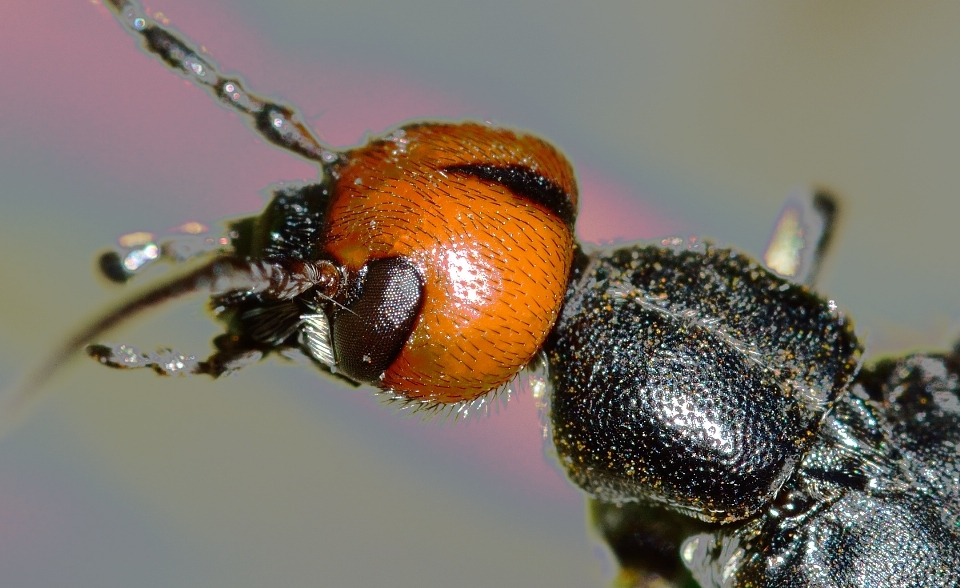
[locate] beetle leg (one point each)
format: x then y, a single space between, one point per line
272 279
231 356
802 236
645 540
138 251
164 361
277 123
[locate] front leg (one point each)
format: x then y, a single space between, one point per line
138 251
275 280
646 542
233 353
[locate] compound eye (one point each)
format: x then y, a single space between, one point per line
370 332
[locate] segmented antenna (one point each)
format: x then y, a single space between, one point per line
278 123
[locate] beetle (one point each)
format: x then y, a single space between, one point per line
636 301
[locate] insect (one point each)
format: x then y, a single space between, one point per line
621 304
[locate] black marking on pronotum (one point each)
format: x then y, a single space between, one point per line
526 183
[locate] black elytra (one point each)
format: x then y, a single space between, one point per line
694 379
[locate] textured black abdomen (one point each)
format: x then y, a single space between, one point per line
873 503
693 378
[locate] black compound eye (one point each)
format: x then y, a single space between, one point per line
369 334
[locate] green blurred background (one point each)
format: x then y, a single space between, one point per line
688 118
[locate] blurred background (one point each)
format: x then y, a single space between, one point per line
681 118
